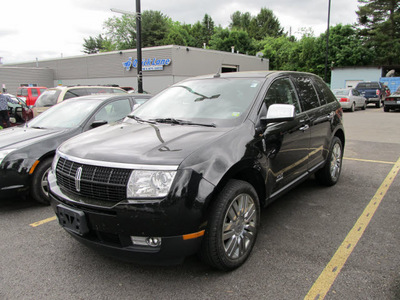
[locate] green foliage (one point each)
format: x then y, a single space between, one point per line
376 39
379 28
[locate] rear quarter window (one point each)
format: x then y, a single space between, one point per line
307 94
324 93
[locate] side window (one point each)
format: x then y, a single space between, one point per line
308 97
42 90
326 91
282 91
24 92
355 92
114 111
75 93
34 92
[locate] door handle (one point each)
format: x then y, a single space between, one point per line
304 128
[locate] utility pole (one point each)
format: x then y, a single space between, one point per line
138 41
139 46
327 43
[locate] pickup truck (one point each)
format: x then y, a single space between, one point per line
373 91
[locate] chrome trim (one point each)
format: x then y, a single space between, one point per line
119 165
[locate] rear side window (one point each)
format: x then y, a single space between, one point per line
324 92
72 93
282 91
23 92
307 94
34 92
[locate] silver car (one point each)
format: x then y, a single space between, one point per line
350 99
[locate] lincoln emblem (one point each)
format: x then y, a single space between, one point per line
78 175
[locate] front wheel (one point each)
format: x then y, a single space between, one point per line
329 174
40 184
232 227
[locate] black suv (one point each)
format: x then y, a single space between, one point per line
188 171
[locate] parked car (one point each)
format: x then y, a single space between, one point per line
393 101
350 99
188 170
17 112
30 94
373 91
26 152
57 94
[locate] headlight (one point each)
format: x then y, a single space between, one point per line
149 184
4 153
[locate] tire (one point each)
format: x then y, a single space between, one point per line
330 173
386 109
353 107
364 107
40 185
378 104
232 226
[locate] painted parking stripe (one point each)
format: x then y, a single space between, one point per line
372 161
324 282
36 224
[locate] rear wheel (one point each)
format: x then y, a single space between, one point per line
353 107
232 227
386 109
378 104
329 174
40 184
364 107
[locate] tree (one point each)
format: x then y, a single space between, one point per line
224 39
265 24
93 45
155 28
379 24
122 31
240 21
202 31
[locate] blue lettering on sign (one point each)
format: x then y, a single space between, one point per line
149 64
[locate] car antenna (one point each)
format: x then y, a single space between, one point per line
217 75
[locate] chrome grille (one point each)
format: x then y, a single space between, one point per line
102 183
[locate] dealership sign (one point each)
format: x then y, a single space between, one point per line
150 64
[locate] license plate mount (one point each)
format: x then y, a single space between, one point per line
72 219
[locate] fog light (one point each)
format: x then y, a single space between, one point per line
146 241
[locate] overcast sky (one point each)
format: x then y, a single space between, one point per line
46 29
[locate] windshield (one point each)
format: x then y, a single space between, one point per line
68 114
221 101
48 98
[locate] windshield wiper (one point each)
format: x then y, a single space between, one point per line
182 122
140 119
202 97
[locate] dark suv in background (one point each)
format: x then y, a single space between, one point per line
188 171
373 91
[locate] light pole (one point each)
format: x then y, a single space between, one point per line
327 43
138 41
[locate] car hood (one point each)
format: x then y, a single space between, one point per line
19 137
161 144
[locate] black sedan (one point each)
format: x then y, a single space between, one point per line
26 152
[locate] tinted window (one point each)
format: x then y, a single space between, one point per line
308 97
42 90
75 93
114 111
282 91
23 92
324 92
34 92
355 92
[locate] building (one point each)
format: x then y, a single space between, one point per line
346 77
162 66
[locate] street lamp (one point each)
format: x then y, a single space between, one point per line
138 41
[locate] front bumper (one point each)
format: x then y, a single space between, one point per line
109 228
373 100
13 182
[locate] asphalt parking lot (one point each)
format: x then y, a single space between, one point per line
315 242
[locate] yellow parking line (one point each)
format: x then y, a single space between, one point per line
36 224
373 161
324 282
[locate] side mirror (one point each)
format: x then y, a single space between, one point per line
99 123
280 113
